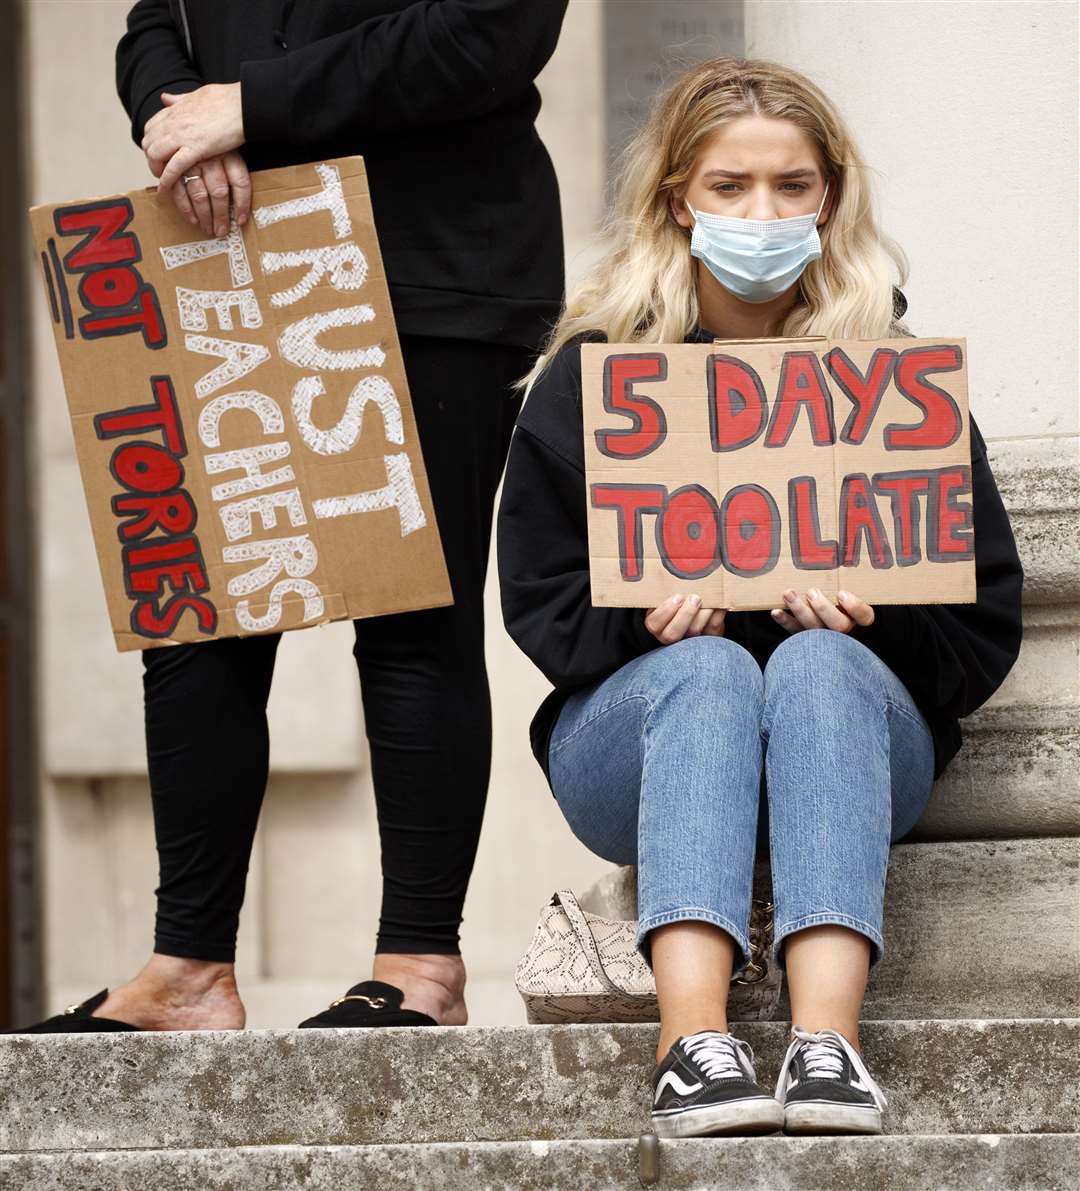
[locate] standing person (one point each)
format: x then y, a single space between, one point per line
742 212
438 97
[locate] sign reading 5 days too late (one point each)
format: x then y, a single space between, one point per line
735 470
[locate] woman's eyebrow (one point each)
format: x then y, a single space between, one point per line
735 174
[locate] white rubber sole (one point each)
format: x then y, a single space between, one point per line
756 1114
824 1116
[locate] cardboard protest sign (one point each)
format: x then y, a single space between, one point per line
739 469
241 416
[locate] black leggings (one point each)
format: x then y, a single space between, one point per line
426 705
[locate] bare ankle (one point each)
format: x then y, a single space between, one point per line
175 993
432 983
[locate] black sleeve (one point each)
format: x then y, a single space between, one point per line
150 58
952 657
430 63
544 556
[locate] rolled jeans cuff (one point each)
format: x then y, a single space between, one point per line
693 914
827 918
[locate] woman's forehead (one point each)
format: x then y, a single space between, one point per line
757 145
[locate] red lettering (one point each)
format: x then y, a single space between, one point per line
941 423
864 392
737 403
145 317
802 383
161 414
173 512
649 426
145 467
109 287
148 621
177 561
808 551
630 502
903 489
687 533
950 537
859 518
102 245
750 530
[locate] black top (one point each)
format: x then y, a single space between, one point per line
438 97
951 657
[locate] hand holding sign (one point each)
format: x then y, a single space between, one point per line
680 616
222 183
814 611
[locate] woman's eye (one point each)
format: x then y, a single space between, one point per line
794 187
727 187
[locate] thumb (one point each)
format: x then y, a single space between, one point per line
168 99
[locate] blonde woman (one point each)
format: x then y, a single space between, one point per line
742 211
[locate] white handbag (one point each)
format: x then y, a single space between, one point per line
580 967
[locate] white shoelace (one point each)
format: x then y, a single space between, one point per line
823 1061
716 1054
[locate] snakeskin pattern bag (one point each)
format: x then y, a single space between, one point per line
580 967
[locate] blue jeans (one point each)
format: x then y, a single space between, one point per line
661 765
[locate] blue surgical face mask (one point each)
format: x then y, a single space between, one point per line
756 259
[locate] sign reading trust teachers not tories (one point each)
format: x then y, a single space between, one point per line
736 470
240 411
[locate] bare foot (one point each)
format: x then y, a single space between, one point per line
432 984
178 994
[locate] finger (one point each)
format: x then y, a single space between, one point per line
827 612
801 610
179 164
217 185
715 627
200 201
859 610
659 617
183 203
156 164
786 620
168 98
681 621
698 624
240 184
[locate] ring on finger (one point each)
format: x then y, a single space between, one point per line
190 178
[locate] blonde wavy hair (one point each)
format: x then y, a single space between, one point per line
642 289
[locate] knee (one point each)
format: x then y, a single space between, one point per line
707 667
819 658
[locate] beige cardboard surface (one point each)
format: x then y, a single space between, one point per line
735 470
240 411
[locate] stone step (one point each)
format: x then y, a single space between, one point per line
362 1087
1033 1162
983 928
1015 777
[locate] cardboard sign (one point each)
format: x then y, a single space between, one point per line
736 470
241 416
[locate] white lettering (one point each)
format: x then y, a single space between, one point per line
398 493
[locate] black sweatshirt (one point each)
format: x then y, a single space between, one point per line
437 96
951 657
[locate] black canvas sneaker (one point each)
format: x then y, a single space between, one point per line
706 1085
825 1087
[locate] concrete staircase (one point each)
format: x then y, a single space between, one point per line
972 1103
972 1020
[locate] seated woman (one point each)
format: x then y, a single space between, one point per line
661 724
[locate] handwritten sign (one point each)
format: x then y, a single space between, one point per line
240 411
739 469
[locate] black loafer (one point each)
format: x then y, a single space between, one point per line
368 1005
76 1019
